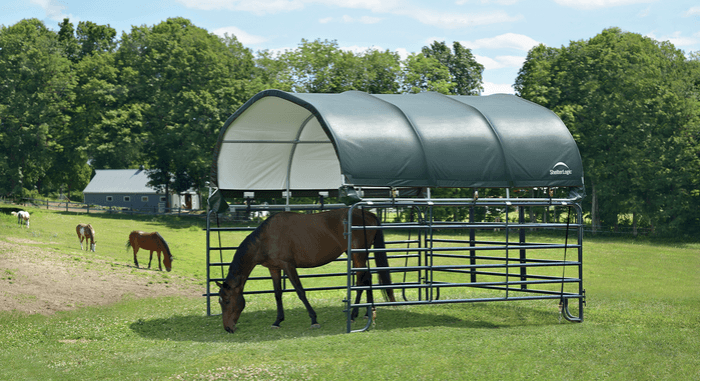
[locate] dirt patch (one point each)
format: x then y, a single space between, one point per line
41 280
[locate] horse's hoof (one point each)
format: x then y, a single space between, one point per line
275 326
315 326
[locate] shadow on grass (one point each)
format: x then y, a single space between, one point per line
255 326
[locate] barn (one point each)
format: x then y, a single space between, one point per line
128 188
387 152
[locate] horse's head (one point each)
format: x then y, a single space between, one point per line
168 260
93 246
231 299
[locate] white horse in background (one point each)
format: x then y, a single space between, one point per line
22 216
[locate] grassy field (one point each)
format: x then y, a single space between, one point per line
642 321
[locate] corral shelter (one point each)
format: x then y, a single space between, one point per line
306 143
128 188
359 145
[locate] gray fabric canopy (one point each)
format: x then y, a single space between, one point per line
286 141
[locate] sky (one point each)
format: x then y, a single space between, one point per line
498 32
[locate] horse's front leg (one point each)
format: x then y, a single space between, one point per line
275 275
158 258
151 256
291 271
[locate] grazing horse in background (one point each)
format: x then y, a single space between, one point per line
152 242
287 241
22 216
87 232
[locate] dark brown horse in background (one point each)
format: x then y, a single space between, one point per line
152 242
86 232
287 241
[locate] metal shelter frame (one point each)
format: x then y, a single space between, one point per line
487 270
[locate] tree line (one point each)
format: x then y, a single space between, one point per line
80 99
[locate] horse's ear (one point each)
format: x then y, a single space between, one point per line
219 284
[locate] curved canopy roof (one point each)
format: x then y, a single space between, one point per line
286 141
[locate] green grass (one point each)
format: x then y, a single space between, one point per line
642 321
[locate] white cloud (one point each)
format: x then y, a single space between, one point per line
243 37
448 20
503 41
597 4
694 11
500 62
350 20
54 9
359 49
498 2
678 39
497 88
260 7
403 53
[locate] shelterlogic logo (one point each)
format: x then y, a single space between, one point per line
561 168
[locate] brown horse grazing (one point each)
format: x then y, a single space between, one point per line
87 232
287 241
152 242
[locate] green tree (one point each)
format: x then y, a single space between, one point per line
632 105
466 74
424 73
36 90
91 52
318 67
380 73
183 83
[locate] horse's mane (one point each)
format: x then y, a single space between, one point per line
244 247
168 250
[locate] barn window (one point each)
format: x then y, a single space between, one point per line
163 199
144 198
127 199
109 198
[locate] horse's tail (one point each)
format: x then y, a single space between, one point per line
128 245
381 260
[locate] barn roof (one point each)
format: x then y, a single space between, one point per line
280 140
120 181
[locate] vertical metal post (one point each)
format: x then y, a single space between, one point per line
507 204
430 254
349 277
522 251
207 258
471 220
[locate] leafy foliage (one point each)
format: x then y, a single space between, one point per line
632 105
81 99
